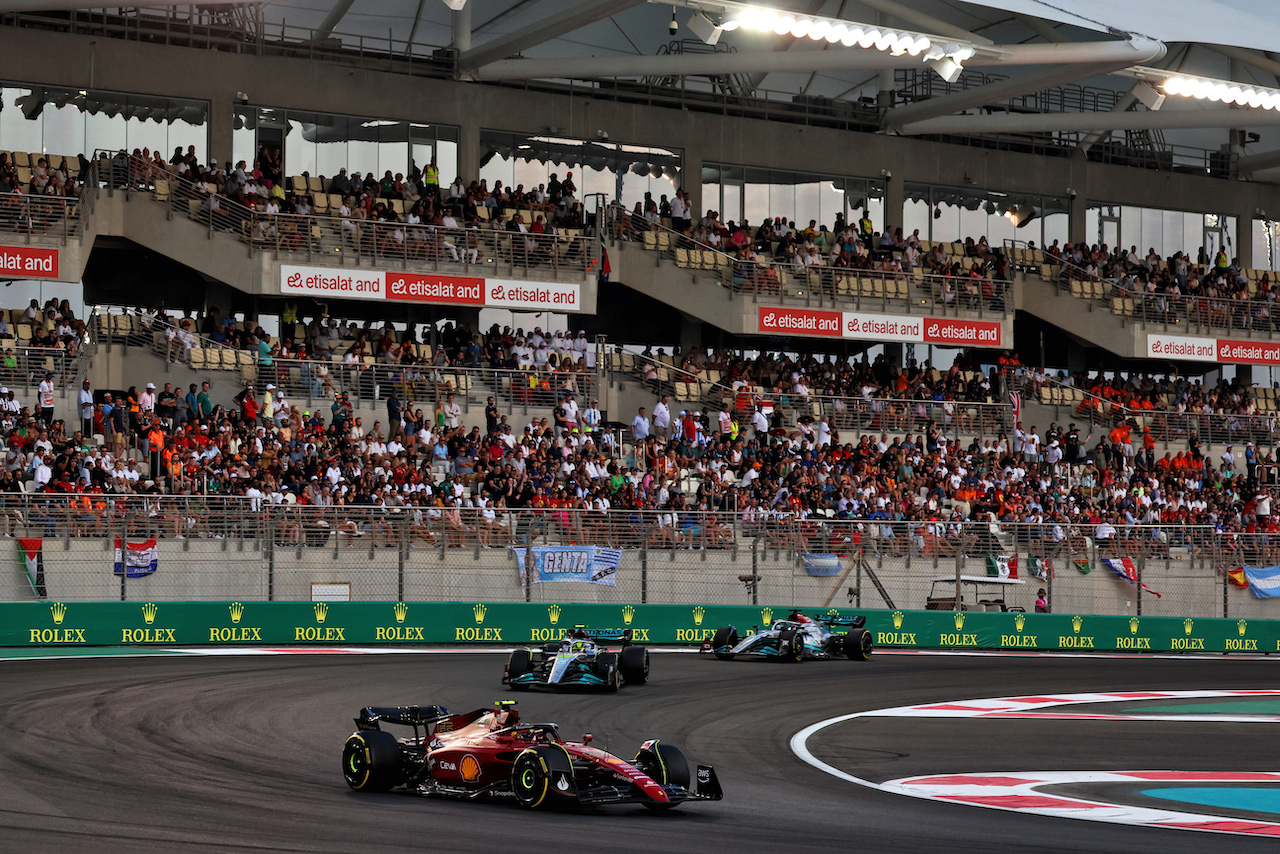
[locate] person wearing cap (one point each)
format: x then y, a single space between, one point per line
268 408
147 402
86 408
280 416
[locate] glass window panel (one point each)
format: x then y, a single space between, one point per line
1172 234
808 204
1055 227
755 202
731 201
447 159
19 132
782 201
1261 259
63 130
1152 232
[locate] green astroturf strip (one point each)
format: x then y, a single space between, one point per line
1228 707
70 651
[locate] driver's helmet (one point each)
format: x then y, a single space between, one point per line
578 634
578 646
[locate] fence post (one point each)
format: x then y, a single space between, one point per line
271 553
1142 564
959 570
403 537
529 569
644 569
857 577
1226 608
755 571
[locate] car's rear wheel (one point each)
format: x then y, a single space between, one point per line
541 776
634 664
790 645
606 667
858 644
371 761
520 663
725 638
666 765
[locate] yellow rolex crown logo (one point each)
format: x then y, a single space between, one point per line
1240 626
149 613
402 611
59 612
237 611
959 618
1133 625
1187 624
479 612
698 613
1020 621
322 611
553 614
628 614
766 616
1076 623
898 617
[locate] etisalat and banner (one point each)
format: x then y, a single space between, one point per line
571 563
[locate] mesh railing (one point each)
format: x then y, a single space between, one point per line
39 220
215 548
868 289
327 238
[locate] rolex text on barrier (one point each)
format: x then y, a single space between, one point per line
866 326
28 262
433 288
80 624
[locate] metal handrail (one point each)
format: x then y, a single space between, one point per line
765 279
332 240
44 220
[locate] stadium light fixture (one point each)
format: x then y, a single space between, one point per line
947 56
1223 91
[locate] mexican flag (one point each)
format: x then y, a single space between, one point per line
1041 568
31 553
1002 566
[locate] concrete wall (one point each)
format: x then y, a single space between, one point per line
81 570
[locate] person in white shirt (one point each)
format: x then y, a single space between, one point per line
86 409
147 400
452 413
662 418
45 396
760 422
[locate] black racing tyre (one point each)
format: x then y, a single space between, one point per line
372 762
667 766
542 776
634 664
790 646
725 637
520 663
606 667
858 644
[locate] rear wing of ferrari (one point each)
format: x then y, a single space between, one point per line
840 620
414 716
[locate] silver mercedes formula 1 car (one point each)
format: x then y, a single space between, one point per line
796 638
580 660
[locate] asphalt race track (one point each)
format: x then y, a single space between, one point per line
242 754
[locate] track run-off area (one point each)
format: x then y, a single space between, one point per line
182 750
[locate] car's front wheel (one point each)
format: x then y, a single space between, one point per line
372 762
725 639
520 663
664 764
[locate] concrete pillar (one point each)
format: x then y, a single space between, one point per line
894 198
1076 223
221 116
469 151
691 180
1243 237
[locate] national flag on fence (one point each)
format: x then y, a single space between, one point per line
822 565
1002 566
136 560
1265 583
1082 565
1125 568
1015 400
31 553
1041 568
604 566
1236 577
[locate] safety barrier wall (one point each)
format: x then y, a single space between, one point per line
84 624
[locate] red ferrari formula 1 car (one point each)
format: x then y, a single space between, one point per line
489 753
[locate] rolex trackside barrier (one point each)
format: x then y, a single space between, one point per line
516 623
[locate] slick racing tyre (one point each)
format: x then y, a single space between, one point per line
520 663
371 761
857 644
726 637
634 664
790 646
542 777
666 765
606 667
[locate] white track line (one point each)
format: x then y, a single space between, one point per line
1018 793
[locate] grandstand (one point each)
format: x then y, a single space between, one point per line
425 296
